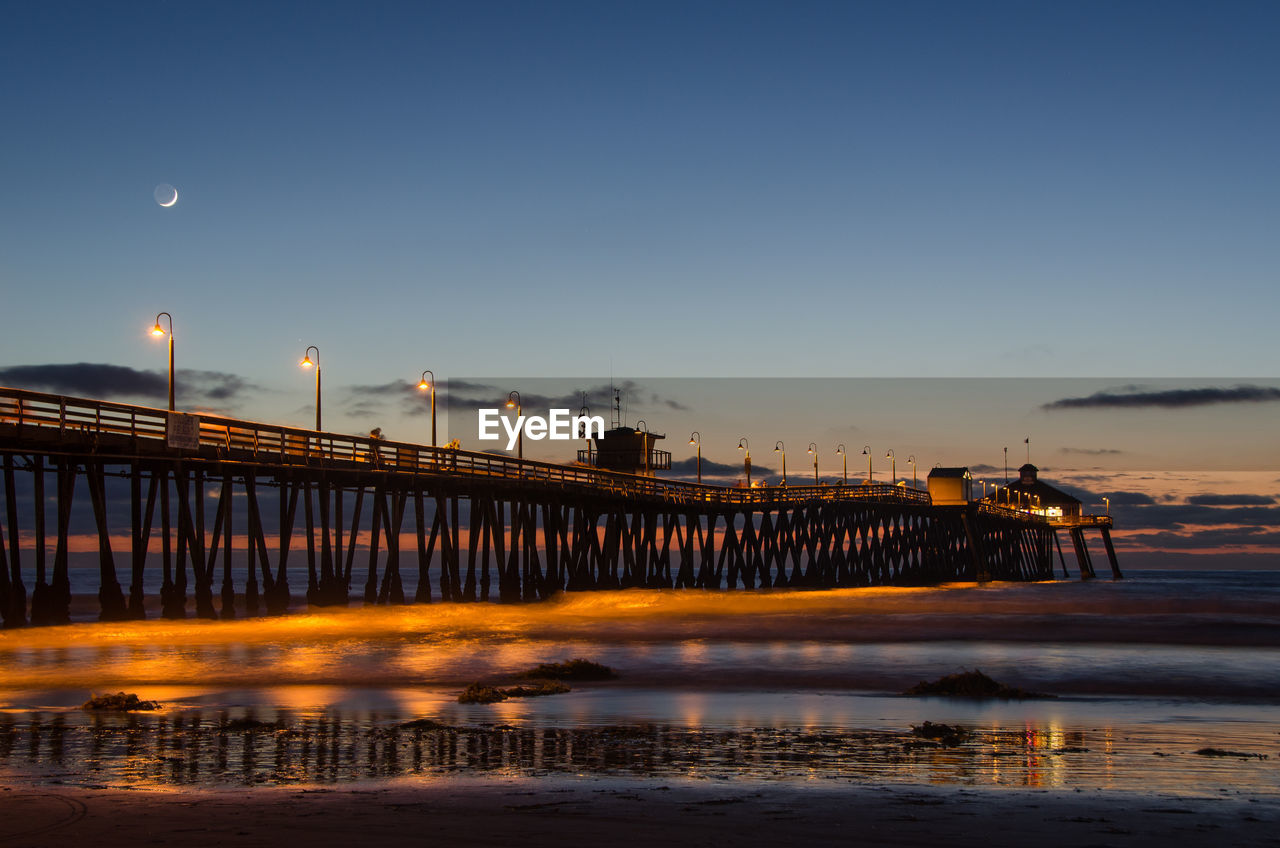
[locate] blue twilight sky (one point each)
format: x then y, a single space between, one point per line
719 189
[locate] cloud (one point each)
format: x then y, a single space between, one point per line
465 395
1133 398
108 382
1166 516
1091 451
87 379
1208 538
212 386
1127 498
689 468
1231 500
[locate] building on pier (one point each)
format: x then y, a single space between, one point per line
950 486
1041 498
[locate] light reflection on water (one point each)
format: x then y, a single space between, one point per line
1210 672
195 745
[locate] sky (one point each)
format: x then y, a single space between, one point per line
745 191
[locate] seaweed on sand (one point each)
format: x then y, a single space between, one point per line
478 693
425 724
575 669
536 689
1218 752
119 702
947 735
971 684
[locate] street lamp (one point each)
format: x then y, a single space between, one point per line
513 402
159 331
1107 502
584 413
813 451
425 384
844 458
695 438
893 467
782 449
866 451
307 363
912 459
644 442
743 445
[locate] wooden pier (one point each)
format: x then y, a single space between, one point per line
484 527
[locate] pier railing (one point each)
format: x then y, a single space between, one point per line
127 429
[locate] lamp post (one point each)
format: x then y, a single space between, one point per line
844 459
1107 502
158 331
782 449
307 363
644 442
425 384
912 459
866 451
695 438
513 402
893 466
813 452
744 445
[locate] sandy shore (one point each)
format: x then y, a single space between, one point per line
553 812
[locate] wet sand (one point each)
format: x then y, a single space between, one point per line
589 811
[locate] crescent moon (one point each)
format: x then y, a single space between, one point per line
164 189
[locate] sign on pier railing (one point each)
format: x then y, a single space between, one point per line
183 431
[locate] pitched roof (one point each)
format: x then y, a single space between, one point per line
1046 493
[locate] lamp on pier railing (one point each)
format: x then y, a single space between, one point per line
159 331
513 402
744 445
780 448
585 413
866 451
1107 502
813 452
844 458
893 467
912 459
695 438
307 363
644 442
424 385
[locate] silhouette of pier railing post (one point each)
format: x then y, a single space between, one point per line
485 527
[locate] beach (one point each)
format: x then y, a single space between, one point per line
601 811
